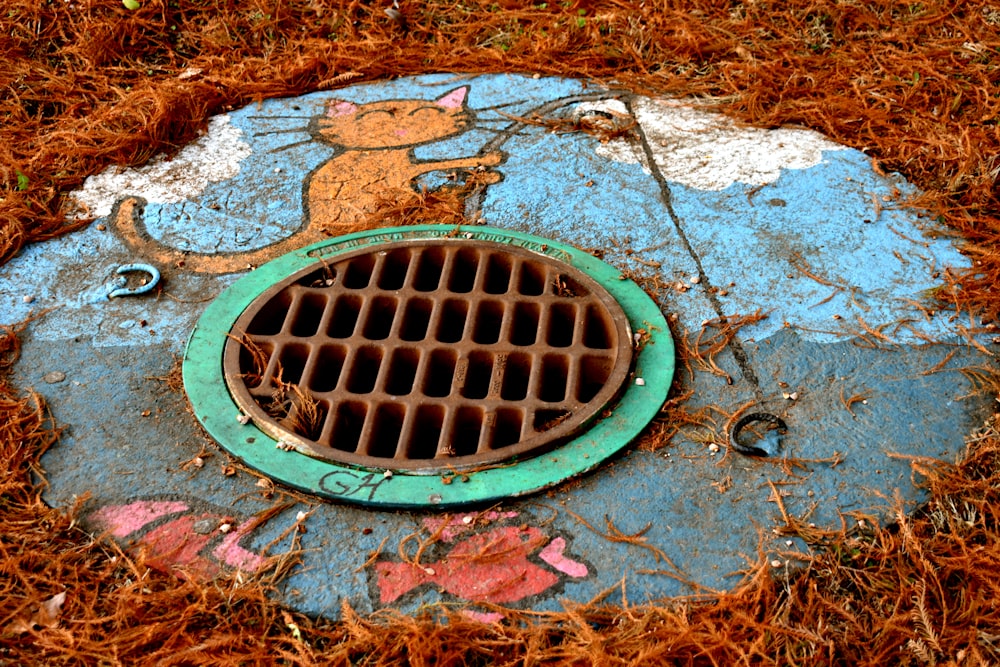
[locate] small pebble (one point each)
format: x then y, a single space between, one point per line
27 298
243 419
467 519
300 516
775 563
430 571
204 526
225 528
101 228
714 448
788 543
641 382
387 474
54 377
695 280
277 170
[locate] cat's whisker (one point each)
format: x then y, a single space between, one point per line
270 117
495 130
292 145
501 106
293 130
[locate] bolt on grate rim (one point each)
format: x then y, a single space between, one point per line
429 356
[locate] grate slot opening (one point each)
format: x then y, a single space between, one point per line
466 431
476 383
555 373
416 318
254 359
363 371
307 314
594 372
440 373
462 278
386 429
561 325
292 359
451 326
516 373
524 329
378 319
325 276
598 333
507 428
402 371
566 287
345 316
498 273
548 419
271 318
326 370
348 423
306 419
392 274
489 318
426 432
359 272
430 264
531 279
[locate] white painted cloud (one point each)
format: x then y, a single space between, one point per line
213 157
709 151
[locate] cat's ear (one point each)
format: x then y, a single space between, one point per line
336 108
453 100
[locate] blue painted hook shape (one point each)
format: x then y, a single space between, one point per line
120 288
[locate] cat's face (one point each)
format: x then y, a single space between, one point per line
394 123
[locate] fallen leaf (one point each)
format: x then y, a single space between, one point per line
46 616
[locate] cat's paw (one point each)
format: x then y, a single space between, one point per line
491 159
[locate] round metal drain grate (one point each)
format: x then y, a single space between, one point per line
429 355
429 366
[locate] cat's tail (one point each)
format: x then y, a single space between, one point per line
127 220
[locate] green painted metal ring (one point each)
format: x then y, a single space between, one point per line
219 414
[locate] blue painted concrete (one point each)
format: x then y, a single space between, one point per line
705 509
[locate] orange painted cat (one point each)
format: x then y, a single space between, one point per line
375 161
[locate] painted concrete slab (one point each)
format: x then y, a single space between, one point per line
730 220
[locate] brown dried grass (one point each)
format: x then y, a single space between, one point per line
89 84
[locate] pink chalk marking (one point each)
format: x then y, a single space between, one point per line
123 520
232 554
340 108
483 616
487 567
175 547
553 555
454 99
457 525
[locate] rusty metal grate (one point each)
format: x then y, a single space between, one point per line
429 355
